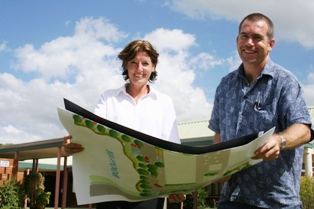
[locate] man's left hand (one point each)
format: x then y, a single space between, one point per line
269 151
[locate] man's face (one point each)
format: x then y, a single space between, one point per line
253 43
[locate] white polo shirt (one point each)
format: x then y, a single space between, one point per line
153 114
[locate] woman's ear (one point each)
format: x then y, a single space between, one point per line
125 64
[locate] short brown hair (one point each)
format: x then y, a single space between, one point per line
254 17
130 51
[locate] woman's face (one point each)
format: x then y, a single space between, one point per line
140 68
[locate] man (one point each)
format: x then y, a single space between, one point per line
256 97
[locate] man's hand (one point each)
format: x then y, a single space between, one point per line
270 150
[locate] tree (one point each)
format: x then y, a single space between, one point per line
33 185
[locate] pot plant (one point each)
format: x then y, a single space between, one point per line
34 188
42 199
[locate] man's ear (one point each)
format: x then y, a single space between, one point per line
271 44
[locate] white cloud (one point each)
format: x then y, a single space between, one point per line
11 129
97 29
11 135
311 77
170 40
176 73
234 61
308 93
292 24
308 90
68 22
2 46
205 61
66 56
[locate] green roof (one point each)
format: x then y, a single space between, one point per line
311 111
41 166
197 133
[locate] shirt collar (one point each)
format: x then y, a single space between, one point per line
122 89
268 69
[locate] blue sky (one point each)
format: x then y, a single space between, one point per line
50 50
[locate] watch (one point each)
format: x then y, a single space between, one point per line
283 142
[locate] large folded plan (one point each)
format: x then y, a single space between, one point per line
119 163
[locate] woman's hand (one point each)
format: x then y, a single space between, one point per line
71 148
176 198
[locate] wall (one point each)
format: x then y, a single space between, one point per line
6 169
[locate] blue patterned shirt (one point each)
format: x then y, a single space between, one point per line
274 99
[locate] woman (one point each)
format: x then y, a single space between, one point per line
138 106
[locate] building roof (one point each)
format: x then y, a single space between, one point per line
33 150
311 111
195 133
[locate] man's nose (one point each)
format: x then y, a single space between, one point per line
249 42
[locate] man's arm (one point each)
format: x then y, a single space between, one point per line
295 136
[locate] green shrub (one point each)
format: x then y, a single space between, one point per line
11 195
307 192
202 194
